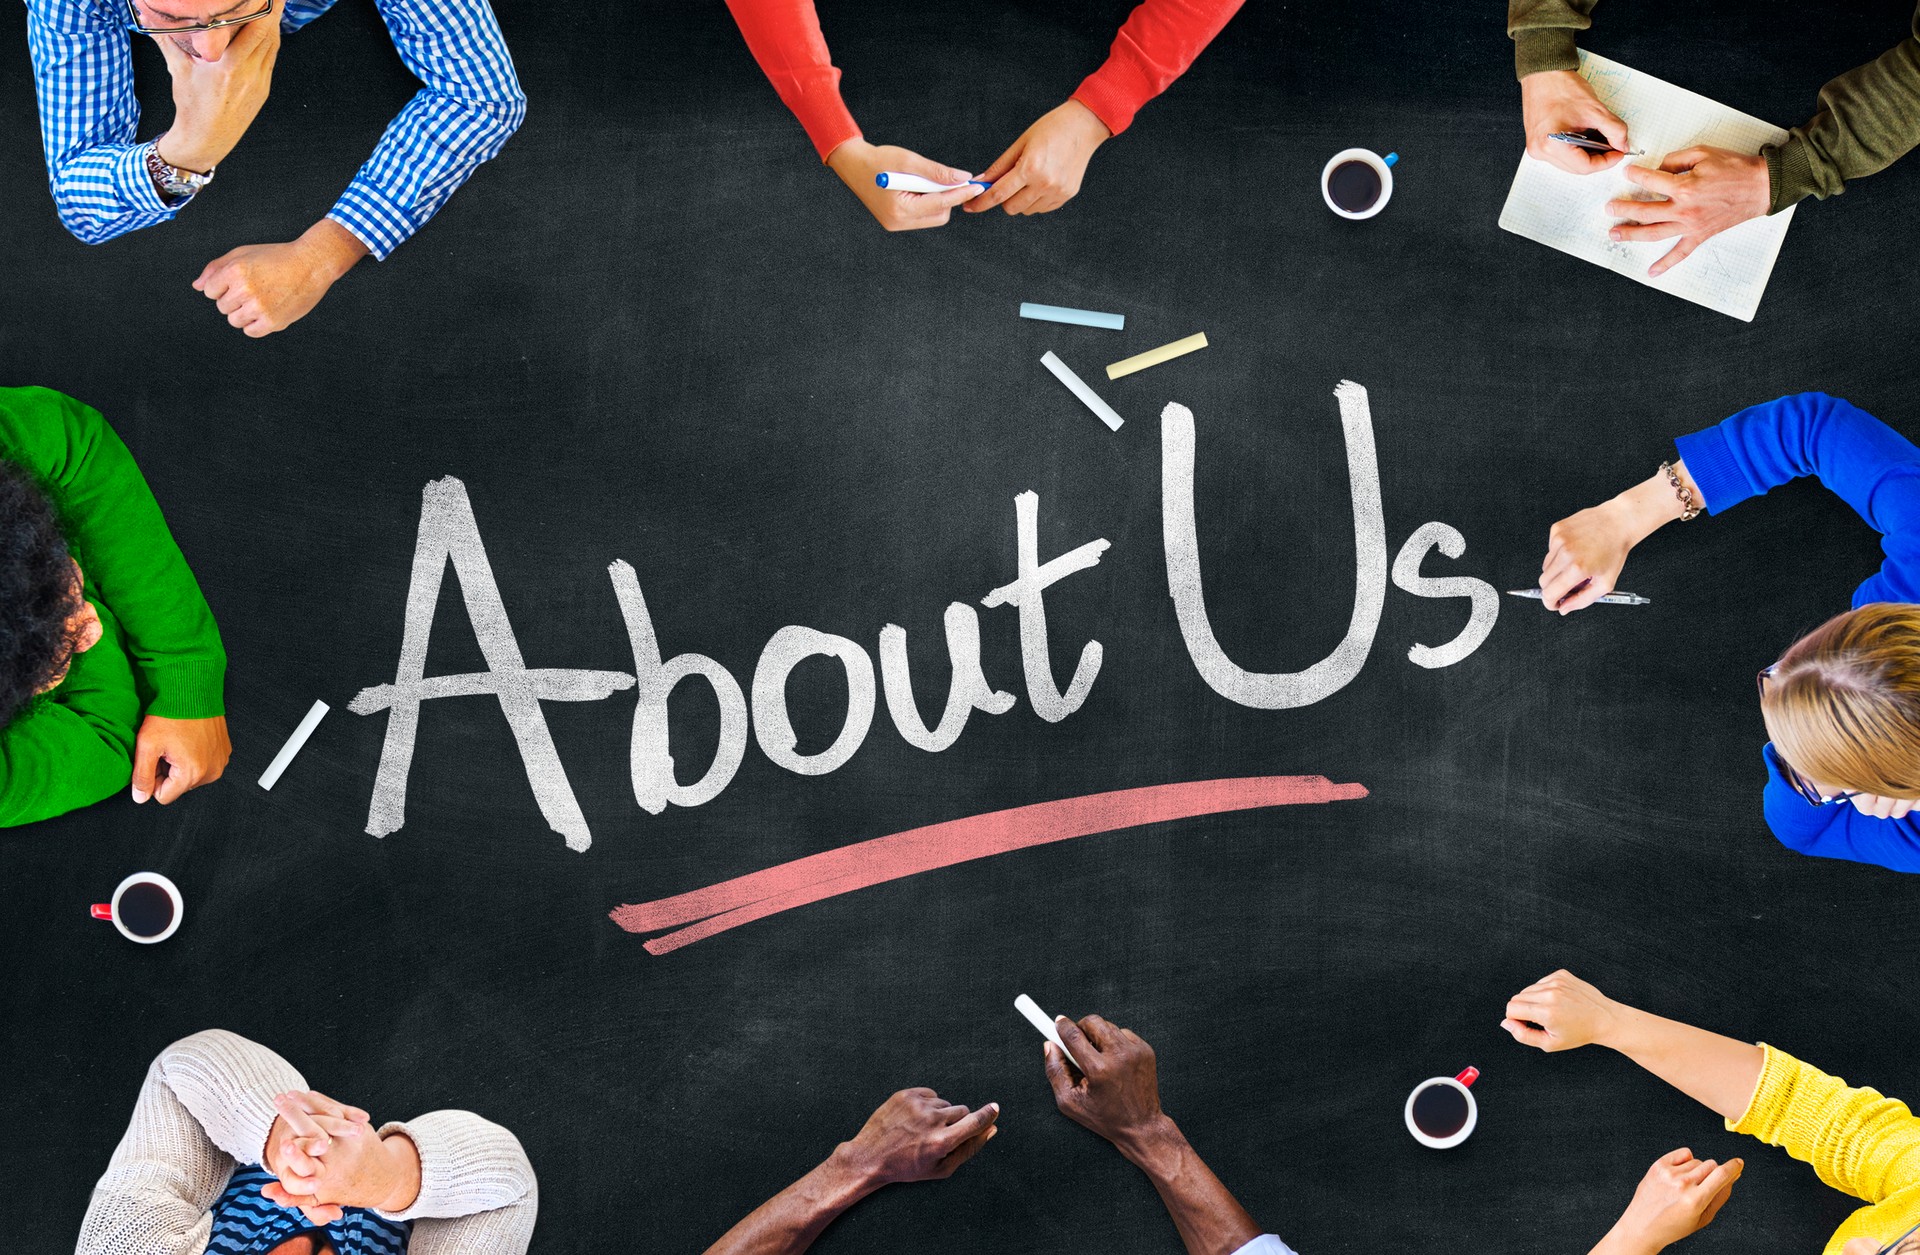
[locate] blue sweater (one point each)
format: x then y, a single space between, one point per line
1875 470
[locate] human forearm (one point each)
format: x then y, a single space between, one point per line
1155 46
469 105
1210 1220
1619 1242
785 39
788 1223
1869 117
1653 503
1716 1071
122 542
451 1164
1543 33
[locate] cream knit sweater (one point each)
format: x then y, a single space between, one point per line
208 1103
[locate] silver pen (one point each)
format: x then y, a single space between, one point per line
1611 599
1594 142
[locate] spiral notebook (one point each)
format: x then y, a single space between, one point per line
1568 211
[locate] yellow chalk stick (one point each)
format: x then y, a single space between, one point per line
1153 357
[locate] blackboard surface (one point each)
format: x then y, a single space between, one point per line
656 331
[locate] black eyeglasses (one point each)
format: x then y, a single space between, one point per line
1801 785
1901 1245
191 28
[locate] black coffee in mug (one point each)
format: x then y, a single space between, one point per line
146 909
1439 1111
1354 187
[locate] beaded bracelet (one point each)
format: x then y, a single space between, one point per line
1689 510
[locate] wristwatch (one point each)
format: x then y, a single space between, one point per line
174 184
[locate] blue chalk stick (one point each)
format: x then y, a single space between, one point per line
1078 317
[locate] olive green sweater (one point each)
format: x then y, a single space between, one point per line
159 651
1869 117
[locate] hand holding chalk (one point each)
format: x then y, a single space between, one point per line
1038 1018
1561 1012
1118 1093
195 752
863 166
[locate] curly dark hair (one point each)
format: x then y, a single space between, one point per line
38 592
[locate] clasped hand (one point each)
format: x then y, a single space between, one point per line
328 1158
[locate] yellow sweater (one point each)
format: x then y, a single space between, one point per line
1856 1139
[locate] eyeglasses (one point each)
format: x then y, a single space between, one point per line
1902 1244
1801 785
191 28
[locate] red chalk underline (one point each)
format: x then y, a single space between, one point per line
731 903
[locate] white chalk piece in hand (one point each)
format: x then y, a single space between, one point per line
271 776
1038 1018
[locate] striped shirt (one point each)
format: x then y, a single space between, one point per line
246 1223
469 103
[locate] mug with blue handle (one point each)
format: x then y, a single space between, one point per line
1359 177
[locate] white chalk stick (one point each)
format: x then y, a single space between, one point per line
1078 387
1038 1018
271 776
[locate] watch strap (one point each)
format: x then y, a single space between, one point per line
174 184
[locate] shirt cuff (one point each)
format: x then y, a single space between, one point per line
373 218
824 115
1789 173
1544 48
461 1173
135 185
1115 92
187 690
1709 460
1265 1244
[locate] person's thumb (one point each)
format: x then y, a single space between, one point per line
177 781
1526 1034
147 750
934 170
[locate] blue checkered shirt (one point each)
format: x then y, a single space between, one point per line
469 103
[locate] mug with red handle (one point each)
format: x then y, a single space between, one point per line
146 907
1441 1112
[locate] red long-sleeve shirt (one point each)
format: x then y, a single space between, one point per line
1159 40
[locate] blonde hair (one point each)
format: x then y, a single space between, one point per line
1843 703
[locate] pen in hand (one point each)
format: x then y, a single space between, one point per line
1611 599
1594 142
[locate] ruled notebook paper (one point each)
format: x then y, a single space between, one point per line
1568 211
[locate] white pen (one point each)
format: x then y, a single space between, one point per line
894 181
1611 599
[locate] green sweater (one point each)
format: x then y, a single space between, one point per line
1869 117
159 648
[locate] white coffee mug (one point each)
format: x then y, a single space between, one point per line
111 910
1382 166
1465 1131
